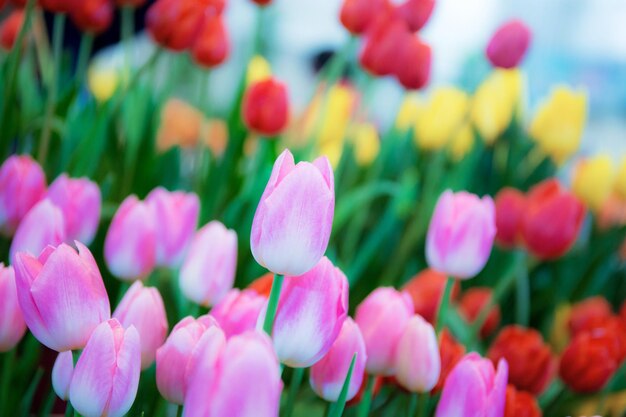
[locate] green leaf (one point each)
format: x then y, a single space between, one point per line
336 409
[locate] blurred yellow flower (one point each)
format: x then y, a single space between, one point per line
495 103
620 184
103 82
559 334
440 118
558 125
594 179
366 143
258 70
462 142
408 113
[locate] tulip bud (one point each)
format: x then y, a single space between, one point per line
211 47
226 388
311 310
416 12
143 308
380 49
263 284
22 185
93 16
594 180
80 201
382 317
208 272
552 220
418 363
474 388
62 372
509 44
10 28
520 404
473 302
451 353
358 15
532 365
238 311
426 290
173 358
61 286
266 107
293 220
510 205
589 314
413 62
329 374
43 225
461 234
129 247
106 377
174 24
12 325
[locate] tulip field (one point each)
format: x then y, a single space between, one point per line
161 257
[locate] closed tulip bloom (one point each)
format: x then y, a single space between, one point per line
60 287
451 352
380 48
416 12
559 123
462 142
594 180
174 24
418 363
382 317
62 372
93 16
357 15
426 290
80 201
440 117
43 225
329 374
266 107
510 207
509 44
177 215
552 220
22 185
12 325
311 310
531 363
238 311
10 28
129 246
106 376
473 302
173 358
244 382
366 142
474 388
461 234
413 62
143 308
589 314
293 220
208 272
211 47
520 404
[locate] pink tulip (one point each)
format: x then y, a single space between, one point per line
461 234
245 382
62 372
62 295
129 247
43 225
238 311
173 358
209 268
106 377
382 317
22 185
143 308
293 220
329 374
311 310
177 216
509 44
12 325
418 363
474 388
80 201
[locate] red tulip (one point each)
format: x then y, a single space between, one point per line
413 62
263 284
174 24
520 404
10 28
358 15
380 49
211 47
426 290
59 6
130 3
262 2
510 205
416 12
509 44
451 353
266 107
473 302
93 16
552 220
589 314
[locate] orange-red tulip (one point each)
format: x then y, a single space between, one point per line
426 290
266 107
473 302
520 404
510 205
589 314
10 28
93 16
211 46
451 353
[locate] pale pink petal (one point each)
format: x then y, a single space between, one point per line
464 393
62 372
126 377
43 225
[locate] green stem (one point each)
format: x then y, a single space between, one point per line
127 28
366 401
258 43
522 297
412 405
423 400
86 45
294 387
272 304
443 305
69 410
179 411
57 51
7 370
336 410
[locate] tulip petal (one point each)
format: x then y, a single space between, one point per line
62 374
126 377
464 393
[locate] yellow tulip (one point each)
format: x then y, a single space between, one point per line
462 142
558 125
408 113
495 103
258 70
366 143
620 184
594 180
103 82
440 118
